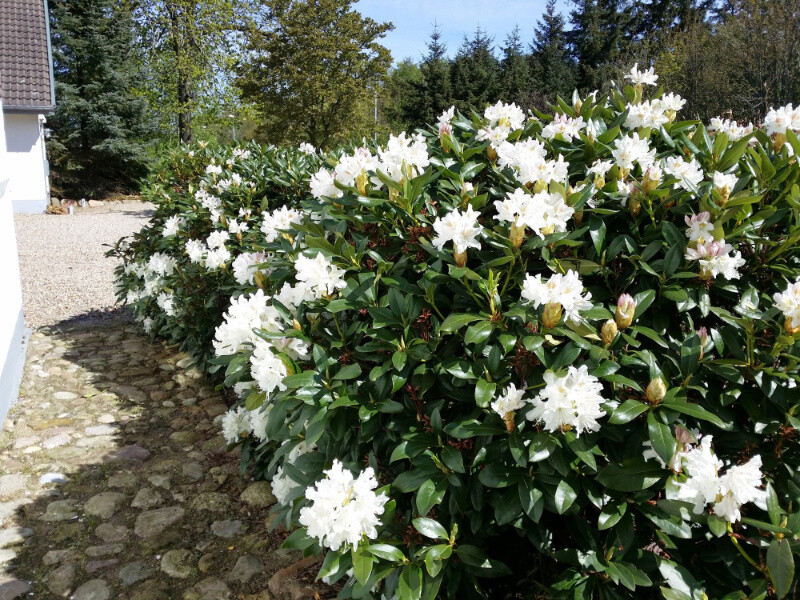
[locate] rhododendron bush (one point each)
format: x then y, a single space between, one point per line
515 355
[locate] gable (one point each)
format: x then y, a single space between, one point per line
25 71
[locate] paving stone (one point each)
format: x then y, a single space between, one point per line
104 550
161 481
94 589
147 498
259 495
60 581
178 563
132 452
122 480
193 470
106 418
210 588
103 505
65 396
49 478
184 437
54 557
93 566
13 535
12 484
96 430
13 588
211 501
151 522
226 529
60 510
134 572
111 533
245 569
7 555
61 439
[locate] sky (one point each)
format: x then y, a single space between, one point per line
413 21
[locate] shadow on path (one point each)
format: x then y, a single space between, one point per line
115 482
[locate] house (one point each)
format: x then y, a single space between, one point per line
26 98
28 95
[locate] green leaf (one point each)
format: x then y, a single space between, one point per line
690 355
428 495
627 411
455 322
479 332
611 514
484 392
410 584
348 372
386 552
661 438
696 411
430 528
632 475
781 566
362 565
565 496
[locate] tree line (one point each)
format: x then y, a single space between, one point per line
134 76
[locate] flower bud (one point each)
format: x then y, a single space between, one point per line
608 332
626 309
790 329
652 177
461 258
577 106
361 183
702 333
551 315
599 181
539 186
634 206
778 141
508 419
517 235
492 153
656 390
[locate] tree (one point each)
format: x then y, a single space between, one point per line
405 79
475 72
515 71
552 69
435 93
312 69
189 49
101 126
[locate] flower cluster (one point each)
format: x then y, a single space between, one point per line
564 292
569 401
543 212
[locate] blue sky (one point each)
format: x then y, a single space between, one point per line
413 21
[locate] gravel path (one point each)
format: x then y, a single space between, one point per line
64 272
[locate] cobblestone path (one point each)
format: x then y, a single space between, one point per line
115 482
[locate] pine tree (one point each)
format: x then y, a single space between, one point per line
515 71
475 73
313 70
101 128
405 79
553 71
435 92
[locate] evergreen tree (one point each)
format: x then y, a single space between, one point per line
434 93
101 125
601 33
312 72
515 71
552 69
475 73
403 85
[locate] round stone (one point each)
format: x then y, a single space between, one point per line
60 581
103 505
94 589
111 533
151 522
60 510
146 498
134 572
178 563
245 569
211 501
259 495
226 529
11 484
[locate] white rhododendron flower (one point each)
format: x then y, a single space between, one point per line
267 369
715 259
630 150
235 226
458 227
543 212
282 484
788 302
241 153
166 301
704 485
563 126
358 164
279 221
443 122
245 266
343 509
688 173
494 135
528 158
778 120
213 169
645 114
322 185
569 401
236 425
207 201
638 77
217 239
172 225
404 156
161 264
195 250
147 324
724 183
600 167
307 148
566 290
217 258
511 400
505 115
671 102
245 313
732 128
319 276
700 227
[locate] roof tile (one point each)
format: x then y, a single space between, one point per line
24 57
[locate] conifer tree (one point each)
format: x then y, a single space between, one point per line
515 71
475 72
552 69
101 125
435 91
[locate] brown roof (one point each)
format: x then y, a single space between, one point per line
25 75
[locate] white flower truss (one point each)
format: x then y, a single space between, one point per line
688 173
236 425
404 156
343 509
282 484
788 302
511 400
715 259
638 77
245 314
245 266
172 225
266 368
279 221
318 275
699 227
569 401
543 212
461 228
566 290
630 150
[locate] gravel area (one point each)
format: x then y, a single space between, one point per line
64 271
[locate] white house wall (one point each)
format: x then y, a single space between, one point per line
26 162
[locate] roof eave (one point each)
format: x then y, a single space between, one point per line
41 110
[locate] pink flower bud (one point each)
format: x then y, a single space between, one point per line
626 308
